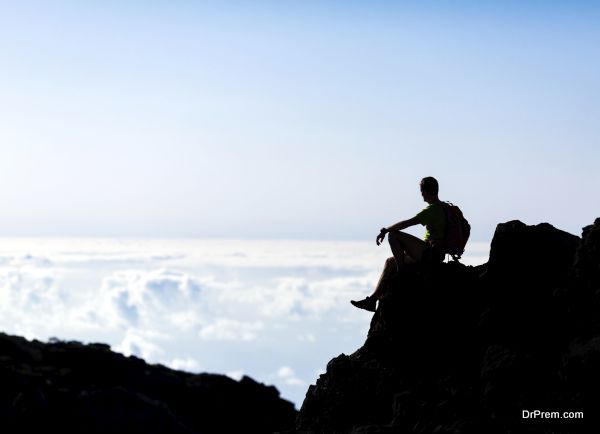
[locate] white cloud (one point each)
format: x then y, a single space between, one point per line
224 329
133 298
288 376
298 297
307 337
29 260
31 298
235 375
187 364
185 320
135 344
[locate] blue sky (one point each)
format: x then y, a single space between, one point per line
306 120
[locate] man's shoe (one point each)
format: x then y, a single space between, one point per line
368 303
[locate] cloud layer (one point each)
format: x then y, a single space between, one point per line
274 310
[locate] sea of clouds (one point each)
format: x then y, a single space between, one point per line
275 310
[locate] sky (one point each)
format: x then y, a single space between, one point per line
294 120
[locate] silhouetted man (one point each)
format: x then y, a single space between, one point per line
407 248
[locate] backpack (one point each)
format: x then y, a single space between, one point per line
458 230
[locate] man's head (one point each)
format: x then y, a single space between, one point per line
429 189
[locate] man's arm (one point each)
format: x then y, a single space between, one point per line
396 227
402 225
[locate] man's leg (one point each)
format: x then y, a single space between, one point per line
410 250
406 248
389 269
370 303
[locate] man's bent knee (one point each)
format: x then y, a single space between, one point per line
390 262
394 235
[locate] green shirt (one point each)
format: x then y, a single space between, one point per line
434 219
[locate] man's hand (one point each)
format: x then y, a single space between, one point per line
381 236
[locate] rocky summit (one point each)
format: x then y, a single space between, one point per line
510 346
68 387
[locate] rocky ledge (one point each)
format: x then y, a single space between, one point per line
457 349
68 387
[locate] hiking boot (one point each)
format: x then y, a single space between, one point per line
368 303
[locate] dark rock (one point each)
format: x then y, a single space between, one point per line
587 265
521 253
467 349
70 387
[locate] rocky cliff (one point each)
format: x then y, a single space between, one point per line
68 387
459 349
